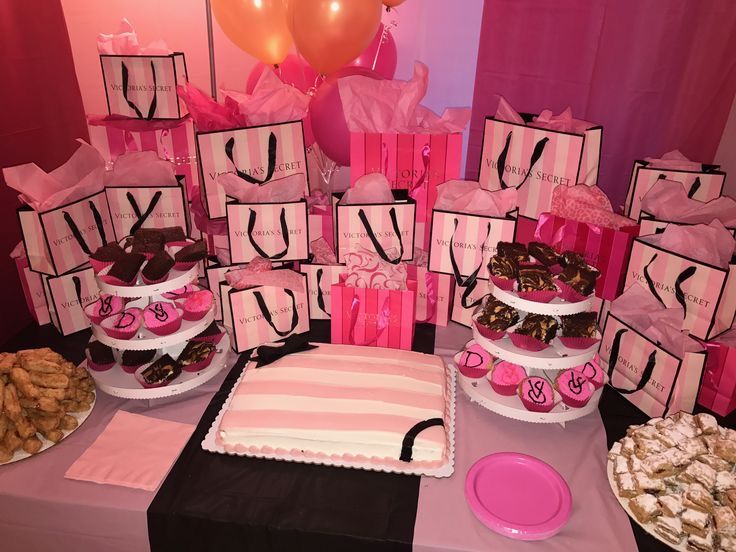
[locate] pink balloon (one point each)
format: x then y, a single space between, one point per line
293 70
382 54
328 119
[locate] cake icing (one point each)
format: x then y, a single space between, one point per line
342 401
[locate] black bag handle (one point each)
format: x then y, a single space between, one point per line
284 234
320 295
78 290
694 187
267 315
230 144
131 104
685 275
468 284
613 359
142 216
650 282
78 235
501 163
372 236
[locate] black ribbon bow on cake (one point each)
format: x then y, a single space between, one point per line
296 343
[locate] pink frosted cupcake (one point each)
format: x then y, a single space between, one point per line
574 388
474 362
593 372
536 394
197 304
106 305
123 325
162 318
180 293
505 377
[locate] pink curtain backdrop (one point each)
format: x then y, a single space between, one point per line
657 74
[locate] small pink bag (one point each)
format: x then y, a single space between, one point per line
718 390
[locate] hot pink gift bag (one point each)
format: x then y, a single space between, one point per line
374 317
718 390
32 284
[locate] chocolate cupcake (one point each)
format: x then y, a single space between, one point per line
571 258
582 324
211 333
192 253
536 278
539 326
581 279
157 268
543 253
513 250
126 268
497 316
161 372
132 360
99 356
105 255
168 234
503 267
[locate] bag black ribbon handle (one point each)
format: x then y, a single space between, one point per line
372 236
468 284
284 234
78 235
131 104
230 144
295 343
649 280
694 187
267 314
501 163
320 295
613 359
142 216
78 290
685 275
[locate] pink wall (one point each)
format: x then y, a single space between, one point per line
442 36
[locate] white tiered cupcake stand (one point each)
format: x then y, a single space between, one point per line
545 363
119 383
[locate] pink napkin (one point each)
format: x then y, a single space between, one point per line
133 451
467 196
667 200
125 43
365 269
369 188
141 168
372 105
281 190
81 176
675 161
586 204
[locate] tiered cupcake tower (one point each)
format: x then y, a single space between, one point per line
116 381
547 363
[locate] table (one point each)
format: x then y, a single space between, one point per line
262 505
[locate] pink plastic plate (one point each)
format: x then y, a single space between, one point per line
518 496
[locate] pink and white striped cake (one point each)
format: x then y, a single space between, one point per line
343 402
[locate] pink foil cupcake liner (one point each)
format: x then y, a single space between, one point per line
115 281
143 383
97 266
168 328
539 296
555 268
201 365
184 266
578 342
210 338
506 284
156 281
527 342
132 369
569 294
488 333
99 367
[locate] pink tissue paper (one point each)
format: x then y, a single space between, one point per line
369 188
133 451
587 204
141 168
711 243
365 269
564 122
260 274
674 161
393 106
467 196
667 200
125 43
282 190
322 252
81 176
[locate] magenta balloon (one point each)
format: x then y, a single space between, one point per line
293 70
328 119
385 61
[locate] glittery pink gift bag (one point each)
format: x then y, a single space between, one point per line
718 390
374 317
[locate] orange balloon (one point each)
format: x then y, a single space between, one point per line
392 3
256 26
330 33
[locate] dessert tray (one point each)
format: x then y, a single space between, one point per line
211 443
556 307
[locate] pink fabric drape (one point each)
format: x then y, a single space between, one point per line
657 74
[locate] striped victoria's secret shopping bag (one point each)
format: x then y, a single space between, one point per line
650 377
66 296
276 231
379 227
706 293
144 86
256 154
134 207
536 160
263 314
320 279
702 185
63 238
